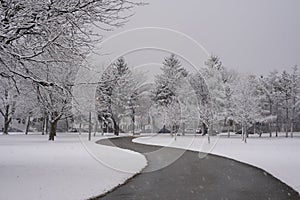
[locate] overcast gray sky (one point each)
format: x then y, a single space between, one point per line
251 36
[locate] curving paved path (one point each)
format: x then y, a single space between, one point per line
190 177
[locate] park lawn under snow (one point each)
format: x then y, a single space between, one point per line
278 156
32 168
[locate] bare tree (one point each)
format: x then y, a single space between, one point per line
55 101
37 33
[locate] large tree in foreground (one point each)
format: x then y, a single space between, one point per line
34 33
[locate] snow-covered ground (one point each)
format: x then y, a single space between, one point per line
32 168
278 156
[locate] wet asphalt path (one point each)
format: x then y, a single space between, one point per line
189 177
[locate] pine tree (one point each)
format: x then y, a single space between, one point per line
111 78
167 85
211 106
117 95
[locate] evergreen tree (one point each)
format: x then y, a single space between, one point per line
211 108
117 95
167 84
111 77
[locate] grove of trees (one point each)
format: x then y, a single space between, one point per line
42 45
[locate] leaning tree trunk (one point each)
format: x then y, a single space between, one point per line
53 126
27 125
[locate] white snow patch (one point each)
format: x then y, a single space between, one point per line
69 168
278 156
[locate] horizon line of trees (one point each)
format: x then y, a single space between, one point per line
218 98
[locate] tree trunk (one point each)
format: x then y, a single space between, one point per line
234 127
228 129
7 121
47 125
27 125
116 127
276 134
96 127
292 128
79 128
90 125
107 128
286 130
270 129
133 122
260 129
247 134
53 126
67 124
183 129
208 135
244 133
43 125
102 127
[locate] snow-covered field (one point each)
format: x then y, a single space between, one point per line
32 168
278 156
